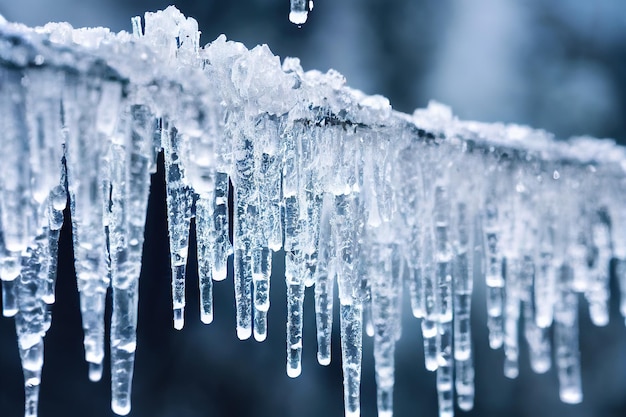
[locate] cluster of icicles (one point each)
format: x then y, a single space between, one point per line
374 201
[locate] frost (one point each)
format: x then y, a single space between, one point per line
354 193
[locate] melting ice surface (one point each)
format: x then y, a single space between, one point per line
379 203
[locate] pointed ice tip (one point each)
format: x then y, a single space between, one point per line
294 372
206 318
120 409
431 365
465 404
95 371
323 360
571 396
298 18
244 333
541 366
48 298
179 318
260 337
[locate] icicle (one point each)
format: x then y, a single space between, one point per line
179 201
129 163
14 172
597 291
223 248
545 279
385 304
463 287
324 282
124 279
261 271
56 206
511 321
351 317
13 177
362 195
206 248
86 177
295 300
429 300
351 305
30 322
294 255
566 340
617 214
538 343
244 218
493 273
203 132
444 257
410 196
299 11
268 236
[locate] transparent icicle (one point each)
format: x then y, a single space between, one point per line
597 291
444 256
567 356
223 247
545 280
30 321
56 206
410 198
269 158
493 273
245 217
84 109
620 273
350 299
295 268
538 339
351 318
206 248
13 182
261 271
268 236
179 201
324 283
295 299
580 249
385 286
512 315
129 163
429 302
203 132
311 226
463 287
15 171
124 279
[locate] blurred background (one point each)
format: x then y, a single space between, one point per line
558 65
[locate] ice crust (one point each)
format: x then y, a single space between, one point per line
378 202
